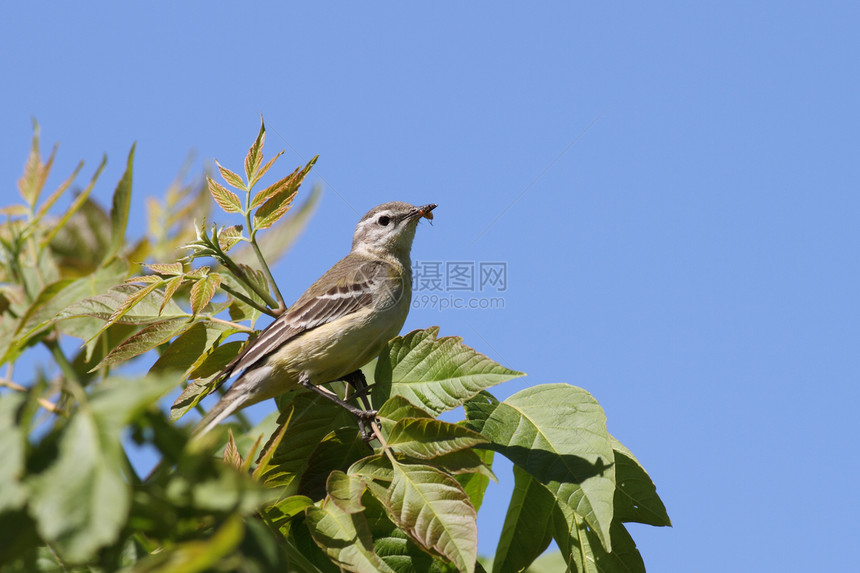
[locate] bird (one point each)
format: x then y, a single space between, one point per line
341 322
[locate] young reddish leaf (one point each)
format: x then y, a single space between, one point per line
197 273
230 177
169 290
225 198
35 172
274 188
203 291
255 152
49 202
169 269
273 209
144 279
229 236
231 452
288 183
261 172
79 201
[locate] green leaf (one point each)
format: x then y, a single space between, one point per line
13 442
119 210
435 511
436 375
49 305
337 451
426 439
225 198
217 359
345 538
285 510
475 484
528 525
584 551
557 433
636 496
255 152
127 305
196 556
397 408
81 501
311 417
150 337
203 291
230 177
124 304
396 548
345 491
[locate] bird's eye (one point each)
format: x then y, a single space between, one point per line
384 220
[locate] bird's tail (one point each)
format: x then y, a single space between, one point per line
226 406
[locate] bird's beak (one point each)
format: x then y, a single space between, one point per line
425 211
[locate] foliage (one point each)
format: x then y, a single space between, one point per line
303 491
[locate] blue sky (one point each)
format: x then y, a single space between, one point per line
673 188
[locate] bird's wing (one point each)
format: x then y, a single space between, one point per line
347 287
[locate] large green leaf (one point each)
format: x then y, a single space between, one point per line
337 451
434 374
395 547
585 553
636 496
435 511
81 501
345 537
557 433
475 483
426 439
528 525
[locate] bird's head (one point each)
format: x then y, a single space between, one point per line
389 228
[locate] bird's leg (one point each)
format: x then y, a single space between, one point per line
361 416
358 381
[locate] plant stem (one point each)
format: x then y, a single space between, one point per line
250 302
236 325
281 305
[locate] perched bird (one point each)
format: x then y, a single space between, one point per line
339 324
